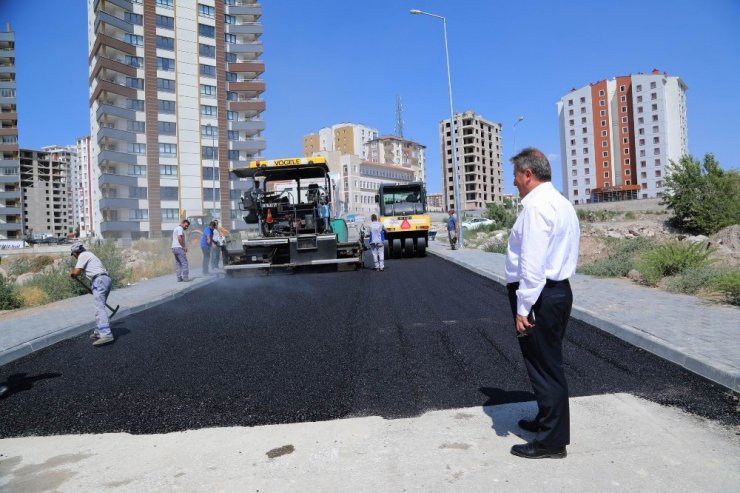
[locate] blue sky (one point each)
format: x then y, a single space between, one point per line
331 61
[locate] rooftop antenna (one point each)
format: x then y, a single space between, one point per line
399 116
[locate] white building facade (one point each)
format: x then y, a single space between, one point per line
397 151
175 100
618 136
347 138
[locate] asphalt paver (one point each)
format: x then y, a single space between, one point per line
312 346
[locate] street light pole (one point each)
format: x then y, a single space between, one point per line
453 133
513 129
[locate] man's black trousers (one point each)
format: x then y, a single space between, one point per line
543 357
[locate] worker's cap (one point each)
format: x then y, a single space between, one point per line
77 247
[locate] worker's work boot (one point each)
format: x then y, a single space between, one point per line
95 335
104 339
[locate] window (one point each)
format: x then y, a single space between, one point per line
627 172
206 110
638 88
233 155
605 154
601 92
165 22
207 70
165 3
136 148
654 107
167 85
168 149
167 64
571 122
643 164
167 128
233 135
572 132
208 152
137 192
166 43
168 170
138 214
640 120
603 123
206 10
575 183
229 19
653 96
639 99
625 130
134 61
656 140
604 144
133 18
621 88
583 100
626 151
232 116
574 172
606 164
624 109
209 130
624 119
206 90
655 129
168 193
134 83
656 151
230 57
135 104
206 31
602 113
165 106
626 140
170 214
230 38
606 174
570 112
232 96
655 118
134 126
134 39
642 142
229 2
653 85
230 77
657 162
570 102
583 120
639 109
207 51
602 103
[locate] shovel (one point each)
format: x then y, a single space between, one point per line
113 310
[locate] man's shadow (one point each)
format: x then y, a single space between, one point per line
506 407
19 382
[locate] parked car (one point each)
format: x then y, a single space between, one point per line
477 222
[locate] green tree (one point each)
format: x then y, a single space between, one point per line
504 215
701 196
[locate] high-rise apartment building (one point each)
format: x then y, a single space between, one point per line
394 150
47 192
617 136
174 102
11 223
347 138
67 156
480 169
84 186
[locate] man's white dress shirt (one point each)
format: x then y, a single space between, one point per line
543 244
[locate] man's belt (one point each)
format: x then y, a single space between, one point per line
96 276
548 283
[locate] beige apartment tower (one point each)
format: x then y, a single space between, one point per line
11 224
480 169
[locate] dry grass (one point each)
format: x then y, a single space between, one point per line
33 296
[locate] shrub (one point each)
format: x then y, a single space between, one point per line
671 258
20 265
595 216
630 216
8 297
497 247
41 261
693 280
728 284
32 295
621 259
114 262
504 215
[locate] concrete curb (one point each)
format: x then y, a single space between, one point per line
719 374
46 340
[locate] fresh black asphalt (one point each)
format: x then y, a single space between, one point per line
423 335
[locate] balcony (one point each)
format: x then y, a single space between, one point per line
9 131
124 4
247 67
110 64
105 40
10 211
10 195
244 48
251 126
7 100
11 226
6 36
117 157
123 226
256 86
114 133
118 203
251 28
124 180
103 16
7 69
113 110
248 106
9 163
8 115
104 85
254 9
7 84
249 145
9 148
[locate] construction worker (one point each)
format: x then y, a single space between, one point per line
180 251
377 246
100 283
218 242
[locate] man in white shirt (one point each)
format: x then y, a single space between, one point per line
542 254
179 250
100 285
377 245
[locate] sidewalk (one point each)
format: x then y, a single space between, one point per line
25 331
700 336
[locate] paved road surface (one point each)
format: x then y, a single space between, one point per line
423 335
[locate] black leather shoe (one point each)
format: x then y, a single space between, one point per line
536 450
533 425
